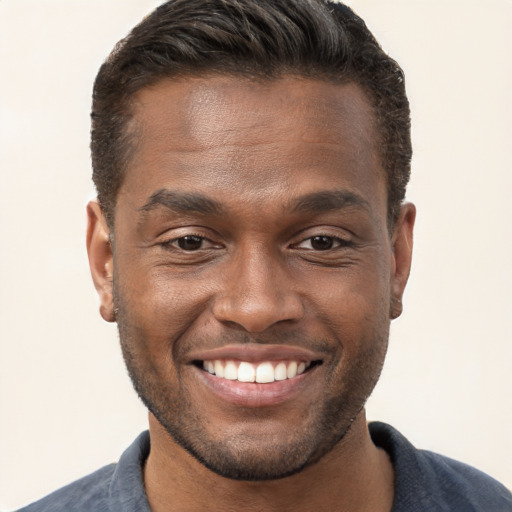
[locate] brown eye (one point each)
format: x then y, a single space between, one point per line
322 243
190 243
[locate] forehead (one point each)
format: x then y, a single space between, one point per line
201 108
248 136
196 102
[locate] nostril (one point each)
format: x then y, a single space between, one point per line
256 313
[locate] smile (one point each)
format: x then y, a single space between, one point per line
263 372
256 375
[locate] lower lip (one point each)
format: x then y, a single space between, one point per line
252 394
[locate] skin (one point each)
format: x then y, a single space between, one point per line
269 156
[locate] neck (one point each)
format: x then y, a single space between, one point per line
355 476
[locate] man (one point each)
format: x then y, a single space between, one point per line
251 241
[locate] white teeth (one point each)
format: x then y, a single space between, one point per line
219 369
246 372
280 372
292 370
262 373
231 371
265 373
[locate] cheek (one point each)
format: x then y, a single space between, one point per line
156 309
355 291
353 304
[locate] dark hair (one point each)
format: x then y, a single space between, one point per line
263 38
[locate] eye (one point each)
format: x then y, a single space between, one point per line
190 242
187 243
322 243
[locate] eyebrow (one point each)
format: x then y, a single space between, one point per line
327 200
182 203
192 203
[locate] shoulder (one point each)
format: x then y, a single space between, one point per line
114 487
459 484
88 493
428 481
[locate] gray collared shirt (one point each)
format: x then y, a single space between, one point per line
424 482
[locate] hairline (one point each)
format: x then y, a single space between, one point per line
131 135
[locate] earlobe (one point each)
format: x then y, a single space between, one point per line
101 260
402 256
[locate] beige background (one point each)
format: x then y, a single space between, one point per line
66 405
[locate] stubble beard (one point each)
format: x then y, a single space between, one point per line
244 456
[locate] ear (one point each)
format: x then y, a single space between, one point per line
101 260
402 256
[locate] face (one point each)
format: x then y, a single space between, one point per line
253 272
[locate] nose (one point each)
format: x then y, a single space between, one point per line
257 293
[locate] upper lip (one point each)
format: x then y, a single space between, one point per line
256 352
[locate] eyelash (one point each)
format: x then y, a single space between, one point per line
173 244
336 242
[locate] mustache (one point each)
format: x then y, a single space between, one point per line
293 338
208 337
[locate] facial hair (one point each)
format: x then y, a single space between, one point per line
241 453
